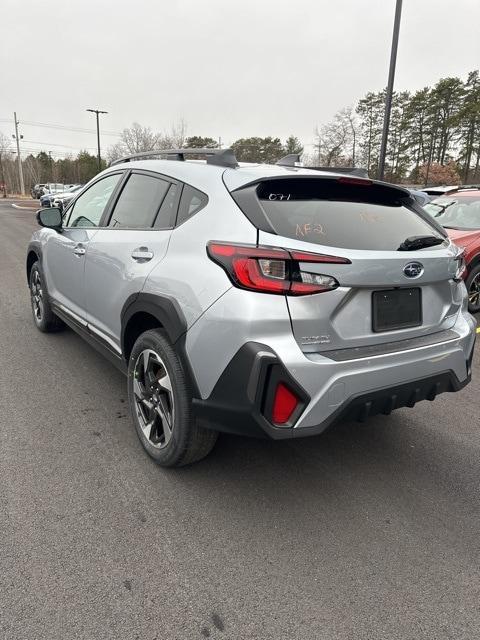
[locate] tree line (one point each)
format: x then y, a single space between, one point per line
434 138
433 128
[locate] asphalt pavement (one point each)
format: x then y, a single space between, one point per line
369 532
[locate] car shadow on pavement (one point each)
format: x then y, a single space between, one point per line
404 457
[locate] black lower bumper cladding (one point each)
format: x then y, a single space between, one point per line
242 399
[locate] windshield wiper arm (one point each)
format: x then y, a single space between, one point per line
419 242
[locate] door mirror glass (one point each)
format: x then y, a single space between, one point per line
51 218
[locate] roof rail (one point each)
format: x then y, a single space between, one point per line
219 157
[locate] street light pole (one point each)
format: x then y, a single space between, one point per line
97 112
19 158
388 98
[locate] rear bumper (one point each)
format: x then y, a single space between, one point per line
332 391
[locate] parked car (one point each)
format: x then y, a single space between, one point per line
52 187
48 199
260 300
459 213
435 192
61 200
36 191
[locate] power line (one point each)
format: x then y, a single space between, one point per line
63 127
55 144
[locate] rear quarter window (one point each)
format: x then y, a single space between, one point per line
349 216
191 202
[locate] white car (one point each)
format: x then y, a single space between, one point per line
62 199
52 187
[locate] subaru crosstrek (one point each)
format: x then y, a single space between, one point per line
267 300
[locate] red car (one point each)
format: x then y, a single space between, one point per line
459 213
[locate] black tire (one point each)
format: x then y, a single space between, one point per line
44 318
473 287
167 401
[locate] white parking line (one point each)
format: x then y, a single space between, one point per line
17 206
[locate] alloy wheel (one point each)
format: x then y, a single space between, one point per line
37 296
153 397
474 292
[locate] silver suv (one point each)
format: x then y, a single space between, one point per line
253 299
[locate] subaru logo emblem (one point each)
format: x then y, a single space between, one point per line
413 269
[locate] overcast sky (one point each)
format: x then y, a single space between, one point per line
230 68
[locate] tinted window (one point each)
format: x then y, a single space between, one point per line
88 209
139 202
330 213
191 202
166 215
462 212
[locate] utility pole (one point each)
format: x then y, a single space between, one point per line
97 112
388 97
19 158
3 186
52 177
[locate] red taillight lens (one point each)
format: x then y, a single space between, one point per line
462 267
284 404
272 270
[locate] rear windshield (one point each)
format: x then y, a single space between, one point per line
456 213
349 216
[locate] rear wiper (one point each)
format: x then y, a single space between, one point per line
419 242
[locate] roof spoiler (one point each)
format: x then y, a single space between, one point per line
293 160
219 157
354 171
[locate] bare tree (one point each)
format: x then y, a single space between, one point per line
137 138
335 140
134 140
350 117
175 138
5 151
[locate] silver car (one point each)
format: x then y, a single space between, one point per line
260 300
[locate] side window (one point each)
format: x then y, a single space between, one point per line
166 216
139 202
191 202
88 209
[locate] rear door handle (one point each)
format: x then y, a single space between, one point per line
79 250
142 254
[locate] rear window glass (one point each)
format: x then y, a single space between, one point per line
456 213
349 216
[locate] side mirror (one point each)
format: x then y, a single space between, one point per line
50 218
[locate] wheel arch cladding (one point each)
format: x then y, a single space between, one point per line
144 311
32 257
474 262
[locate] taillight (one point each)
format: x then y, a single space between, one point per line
462 266
284 404
272 270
